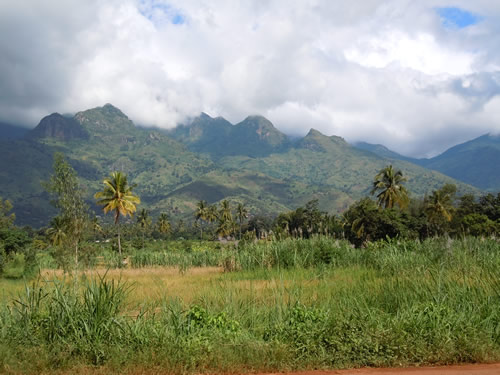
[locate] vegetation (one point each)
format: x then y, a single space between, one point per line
260 167
69 226
293 304
117 196
390 184
400 280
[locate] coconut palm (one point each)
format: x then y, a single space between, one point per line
226 224
57 231
389 184
439 206
144 221
163 223
212 213
241 214
117 196
201 214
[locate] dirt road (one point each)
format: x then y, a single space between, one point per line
483 369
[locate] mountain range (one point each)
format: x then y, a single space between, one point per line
475 162
205 159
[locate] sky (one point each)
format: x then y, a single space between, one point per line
416 76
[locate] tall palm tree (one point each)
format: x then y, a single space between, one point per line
389 184
439 206
225 219
144 221
212 213
117 196
163 223
241 214
201 214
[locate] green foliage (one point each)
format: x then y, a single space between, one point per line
439 208
68 228
88 319
365 221
390 184
6 218
117 196
15 266
280 176
392 303
3 258
14 240
199 318
163 224
307 221
479 225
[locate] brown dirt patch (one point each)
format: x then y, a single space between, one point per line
480 369
476 369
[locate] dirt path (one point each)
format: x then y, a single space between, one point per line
483 369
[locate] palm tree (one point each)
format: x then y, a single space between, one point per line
144 221
225 219
96 226
389 183
241 214
57 231
201 214
439 206
212 213
117 196
163 223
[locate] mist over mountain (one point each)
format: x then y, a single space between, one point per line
206 159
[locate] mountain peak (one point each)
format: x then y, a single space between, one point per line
257 121
315 133
110 109
205 116
58 127
317 141
262 131
106 119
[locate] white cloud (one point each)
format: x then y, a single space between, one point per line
380 71
421 53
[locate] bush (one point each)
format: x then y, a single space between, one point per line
15 267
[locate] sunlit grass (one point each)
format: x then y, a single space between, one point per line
292 304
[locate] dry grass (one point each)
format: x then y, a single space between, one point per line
151 285
155 283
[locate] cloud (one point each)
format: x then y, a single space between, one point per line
390 72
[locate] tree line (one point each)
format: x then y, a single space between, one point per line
393 213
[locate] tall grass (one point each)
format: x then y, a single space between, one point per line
294 304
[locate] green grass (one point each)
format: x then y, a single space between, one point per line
294 304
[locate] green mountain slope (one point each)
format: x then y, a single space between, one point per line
255 136
330 163
156 163
474 162
384 152
250 162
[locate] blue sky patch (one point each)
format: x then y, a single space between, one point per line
160 12
452 17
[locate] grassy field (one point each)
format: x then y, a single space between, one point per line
294 304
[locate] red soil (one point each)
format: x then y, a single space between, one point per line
482 369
